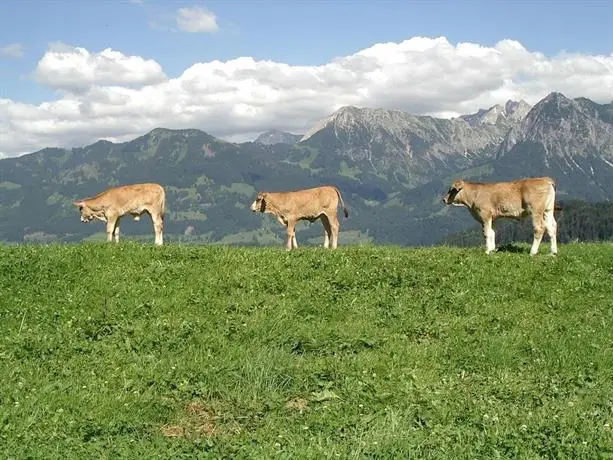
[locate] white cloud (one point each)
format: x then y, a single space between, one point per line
75 69
13 50
235 98
196 19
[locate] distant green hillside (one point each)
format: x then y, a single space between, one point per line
136 351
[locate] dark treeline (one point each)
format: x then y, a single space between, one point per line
577 221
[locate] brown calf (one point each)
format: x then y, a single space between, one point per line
308 204
515 199
110 205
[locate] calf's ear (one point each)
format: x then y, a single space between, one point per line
78 204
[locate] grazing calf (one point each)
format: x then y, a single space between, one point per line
515 199
308 204
110 205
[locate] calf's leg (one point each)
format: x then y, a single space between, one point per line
158 228
110 228
538 222
334 229
116 231
291 234
490 235
327 230
551 226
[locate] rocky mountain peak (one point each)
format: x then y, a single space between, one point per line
344 116
157 133
563 127
348 111
392 140
517 110
555 96
512 111
350 118
275 136
550 111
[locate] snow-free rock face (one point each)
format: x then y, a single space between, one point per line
571 139
565 127
422 144
509 114
274 136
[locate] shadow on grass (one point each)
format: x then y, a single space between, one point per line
510 247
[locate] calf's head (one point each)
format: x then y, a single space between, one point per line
87 213
453 193
259 205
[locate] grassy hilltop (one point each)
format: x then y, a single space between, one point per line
133 351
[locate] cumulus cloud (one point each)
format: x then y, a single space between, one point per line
196 19
117 97
75 69
13 50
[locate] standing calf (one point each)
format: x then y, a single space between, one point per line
515 199
308 204
110 205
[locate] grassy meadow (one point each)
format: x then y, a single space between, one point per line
136 351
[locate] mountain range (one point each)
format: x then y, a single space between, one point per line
391 166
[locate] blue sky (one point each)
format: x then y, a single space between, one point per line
175 63
298 32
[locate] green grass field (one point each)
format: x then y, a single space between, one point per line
136 351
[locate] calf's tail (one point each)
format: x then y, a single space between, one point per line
163 204
552 182
345 210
